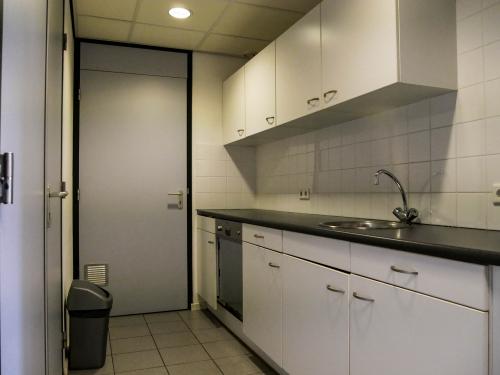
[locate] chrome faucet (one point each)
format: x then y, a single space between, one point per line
405 214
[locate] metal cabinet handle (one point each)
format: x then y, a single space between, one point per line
180 201
240 132
335 290
258 236
312 100
211 242
332 93
274 265
402 270
367 299
270 120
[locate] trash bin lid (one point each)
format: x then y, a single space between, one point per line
85 296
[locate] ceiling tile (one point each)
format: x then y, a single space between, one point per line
165 36
232 45
119 9
203 13
255 22
302 6
104 29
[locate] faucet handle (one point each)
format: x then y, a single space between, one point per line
400 214
411 215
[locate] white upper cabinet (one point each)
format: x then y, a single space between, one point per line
233 107
359 42
260 91
298 69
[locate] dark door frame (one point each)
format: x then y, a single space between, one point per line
76 153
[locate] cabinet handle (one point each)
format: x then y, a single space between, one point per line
211 242
367 299
258 236
240 132
332 93
401 270
274 265
312 100
332 289
270 120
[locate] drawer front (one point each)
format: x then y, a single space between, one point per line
327 251
262 236
206 223
455 281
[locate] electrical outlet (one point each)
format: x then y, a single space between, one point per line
305 194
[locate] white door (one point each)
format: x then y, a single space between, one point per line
208 267
260 91
233 106
133 150
262 299
315 319
359 47
394 331
298 69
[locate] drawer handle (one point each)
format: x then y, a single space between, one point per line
402 270
332 93
312 101
258 236
270 120
274 265
335 290
367 299
240 132
211 242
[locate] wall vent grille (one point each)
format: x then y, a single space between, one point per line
97 274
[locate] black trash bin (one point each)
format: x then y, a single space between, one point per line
88 306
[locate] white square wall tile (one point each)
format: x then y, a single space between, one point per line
399 149
419 146
467 8
381 151
444 176
470 104
492 61
470 67
492 98
469 33
443 110
471 174
444 209
422 202
491 20
471 138
418 115
492 171
443 143
419 177
493 215
493 135
472 210
488 3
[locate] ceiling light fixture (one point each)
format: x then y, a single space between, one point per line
181 13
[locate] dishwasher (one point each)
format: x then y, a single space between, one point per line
230 266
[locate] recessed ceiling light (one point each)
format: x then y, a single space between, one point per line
181 13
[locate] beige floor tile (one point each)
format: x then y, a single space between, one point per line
170 340
201 322
128 331
134 344
171 316
213 334
192 314
137 361
168 327
128 320
241 365
149 371
183 354
107 369
196 368
222 349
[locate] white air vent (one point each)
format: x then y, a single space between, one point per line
97 274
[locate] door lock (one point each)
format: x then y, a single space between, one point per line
180 200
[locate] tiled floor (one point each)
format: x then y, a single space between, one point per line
175 343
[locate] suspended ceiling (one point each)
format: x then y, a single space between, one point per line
233 27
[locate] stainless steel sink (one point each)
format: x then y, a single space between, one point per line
364 224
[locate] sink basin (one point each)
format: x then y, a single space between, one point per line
364 224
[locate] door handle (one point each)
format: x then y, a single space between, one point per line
180 198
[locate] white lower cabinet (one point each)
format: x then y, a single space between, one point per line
394 331
207 276
263 299
315 319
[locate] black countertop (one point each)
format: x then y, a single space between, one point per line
469 245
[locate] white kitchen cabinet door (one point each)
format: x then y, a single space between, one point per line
315 319
260 91
298 69
263 299
233 106
403 332
359 47
207 283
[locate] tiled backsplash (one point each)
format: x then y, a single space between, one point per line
446 151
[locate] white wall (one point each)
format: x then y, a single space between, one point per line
445 150
222 178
